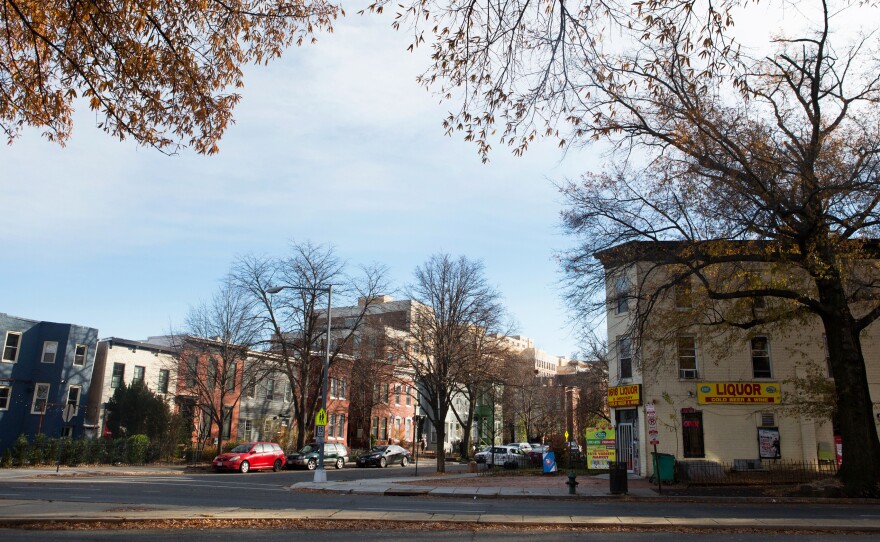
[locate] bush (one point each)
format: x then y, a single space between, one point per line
6 460
38 450
137 449
20 451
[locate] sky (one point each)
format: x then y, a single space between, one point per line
336 143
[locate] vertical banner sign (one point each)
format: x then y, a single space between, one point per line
600 447
549 462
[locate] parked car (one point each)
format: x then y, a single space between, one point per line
480 455
503 455
334 454
251 456
524 446
382 456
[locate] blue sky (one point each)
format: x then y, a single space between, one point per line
335 143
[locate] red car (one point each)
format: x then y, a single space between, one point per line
251 456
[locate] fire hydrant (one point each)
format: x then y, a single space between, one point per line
572 483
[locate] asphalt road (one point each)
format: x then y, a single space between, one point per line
253 535
268 490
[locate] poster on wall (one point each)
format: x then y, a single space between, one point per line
768 443
600 447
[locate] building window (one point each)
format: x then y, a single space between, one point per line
759 303
162 385
73 393
334 388
11 346
687 358
138 374
408 395
684 294
288 392
340 429
227 422
79 354
624 357
251 390
230 376
248 429
342 388
118 374
384 429
397 394
270 389
761 358
621 294
331 426
376 396
5 393
375 430
385 388
692 434
50 348
192 368
41 398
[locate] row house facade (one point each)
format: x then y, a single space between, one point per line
45 377
720 395
123 361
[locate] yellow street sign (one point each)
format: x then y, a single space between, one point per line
321 417
566 436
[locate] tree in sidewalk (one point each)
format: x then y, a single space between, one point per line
164 73
750 152
135 410
453 302
217 360
293 320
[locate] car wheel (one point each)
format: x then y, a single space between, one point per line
340 463
244 467
382 462
312 464
277 466
404 462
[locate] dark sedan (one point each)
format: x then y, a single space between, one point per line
382 456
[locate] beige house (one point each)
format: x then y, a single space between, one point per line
740 398
126 361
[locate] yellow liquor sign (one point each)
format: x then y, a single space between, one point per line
738 393
619 396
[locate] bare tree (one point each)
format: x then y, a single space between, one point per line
215 352
295 319
757 156
453 301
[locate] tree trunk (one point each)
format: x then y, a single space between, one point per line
860 468
440 427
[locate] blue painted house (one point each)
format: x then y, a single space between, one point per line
45 372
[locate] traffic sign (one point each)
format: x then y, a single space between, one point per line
651 422
566 436
319 431
321 418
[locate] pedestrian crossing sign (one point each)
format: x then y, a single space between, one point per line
321 417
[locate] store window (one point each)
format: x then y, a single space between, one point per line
761 358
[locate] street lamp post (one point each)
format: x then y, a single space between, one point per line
320 472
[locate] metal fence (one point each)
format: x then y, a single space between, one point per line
753 472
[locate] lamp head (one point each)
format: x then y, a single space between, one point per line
274 290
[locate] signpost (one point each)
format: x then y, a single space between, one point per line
654 440
320 425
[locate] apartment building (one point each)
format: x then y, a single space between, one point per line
720 394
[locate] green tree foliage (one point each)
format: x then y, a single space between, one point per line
135 410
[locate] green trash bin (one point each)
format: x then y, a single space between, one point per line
665 465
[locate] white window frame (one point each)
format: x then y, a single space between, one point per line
621 294
6 345
768 356
37 387
687 373
78 396
78 360
270 389
48 349
8 397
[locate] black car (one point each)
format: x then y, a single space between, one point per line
382 456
